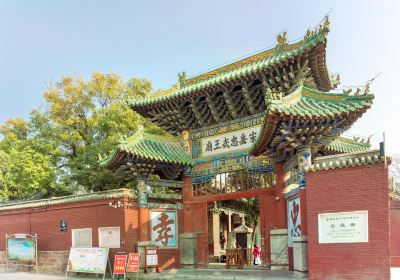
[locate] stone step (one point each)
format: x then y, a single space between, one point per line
234 274
246 267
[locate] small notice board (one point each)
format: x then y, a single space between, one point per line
151 258
21 250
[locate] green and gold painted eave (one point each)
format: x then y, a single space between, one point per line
304 103
235 70
148 146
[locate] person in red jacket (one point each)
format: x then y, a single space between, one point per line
257 255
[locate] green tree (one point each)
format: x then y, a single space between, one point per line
78 121
24 170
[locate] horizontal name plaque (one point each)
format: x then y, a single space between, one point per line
230 142
343 227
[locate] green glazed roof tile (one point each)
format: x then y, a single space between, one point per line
238 69
145 145
346 145
313 103
112 194
307 103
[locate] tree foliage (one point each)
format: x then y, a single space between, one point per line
57 150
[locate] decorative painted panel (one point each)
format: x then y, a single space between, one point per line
294 221
164 228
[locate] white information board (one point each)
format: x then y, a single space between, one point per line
110 237
81 237
343 227
152 260
87 260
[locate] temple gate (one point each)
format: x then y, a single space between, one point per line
249 129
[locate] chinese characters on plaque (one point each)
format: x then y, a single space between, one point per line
164 228
109 237
343 227
82 237
229 142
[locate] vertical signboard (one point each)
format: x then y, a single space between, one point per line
294 221
133 262
119 265
164 228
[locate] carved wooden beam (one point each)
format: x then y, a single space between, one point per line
229 103
199 112
248 99
213 107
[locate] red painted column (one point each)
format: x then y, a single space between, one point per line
273 212
267 222
144 224
281 215
187 193
144 212
195 220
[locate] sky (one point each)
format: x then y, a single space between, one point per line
41 41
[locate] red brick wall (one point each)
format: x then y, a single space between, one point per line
45 222
10 224
395 233
349 189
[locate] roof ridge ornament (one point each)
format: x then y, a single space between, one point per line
185 141
182 79
367 88
325 24
282 42
335 80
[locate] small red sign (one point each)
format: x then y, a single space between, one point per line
133 262
119 264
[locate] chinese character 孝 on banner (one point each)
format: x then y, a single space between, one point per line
163 229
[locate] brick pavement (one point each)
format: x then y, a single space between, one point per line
209 274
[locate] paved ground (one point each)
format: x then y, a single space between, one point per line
209 274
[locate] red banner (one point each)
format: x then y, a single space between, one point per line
133 262
119 264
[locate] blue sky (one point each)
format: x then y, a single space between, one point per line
43 40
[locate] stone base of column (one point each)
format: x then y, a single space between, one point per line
300 262
279 249
188 250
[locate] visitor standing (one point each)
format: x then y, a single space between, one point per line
257 255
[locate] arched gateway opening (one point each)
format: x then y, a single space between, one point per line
240 135
233 215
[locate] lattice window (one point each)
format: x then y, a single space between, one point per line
236 181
